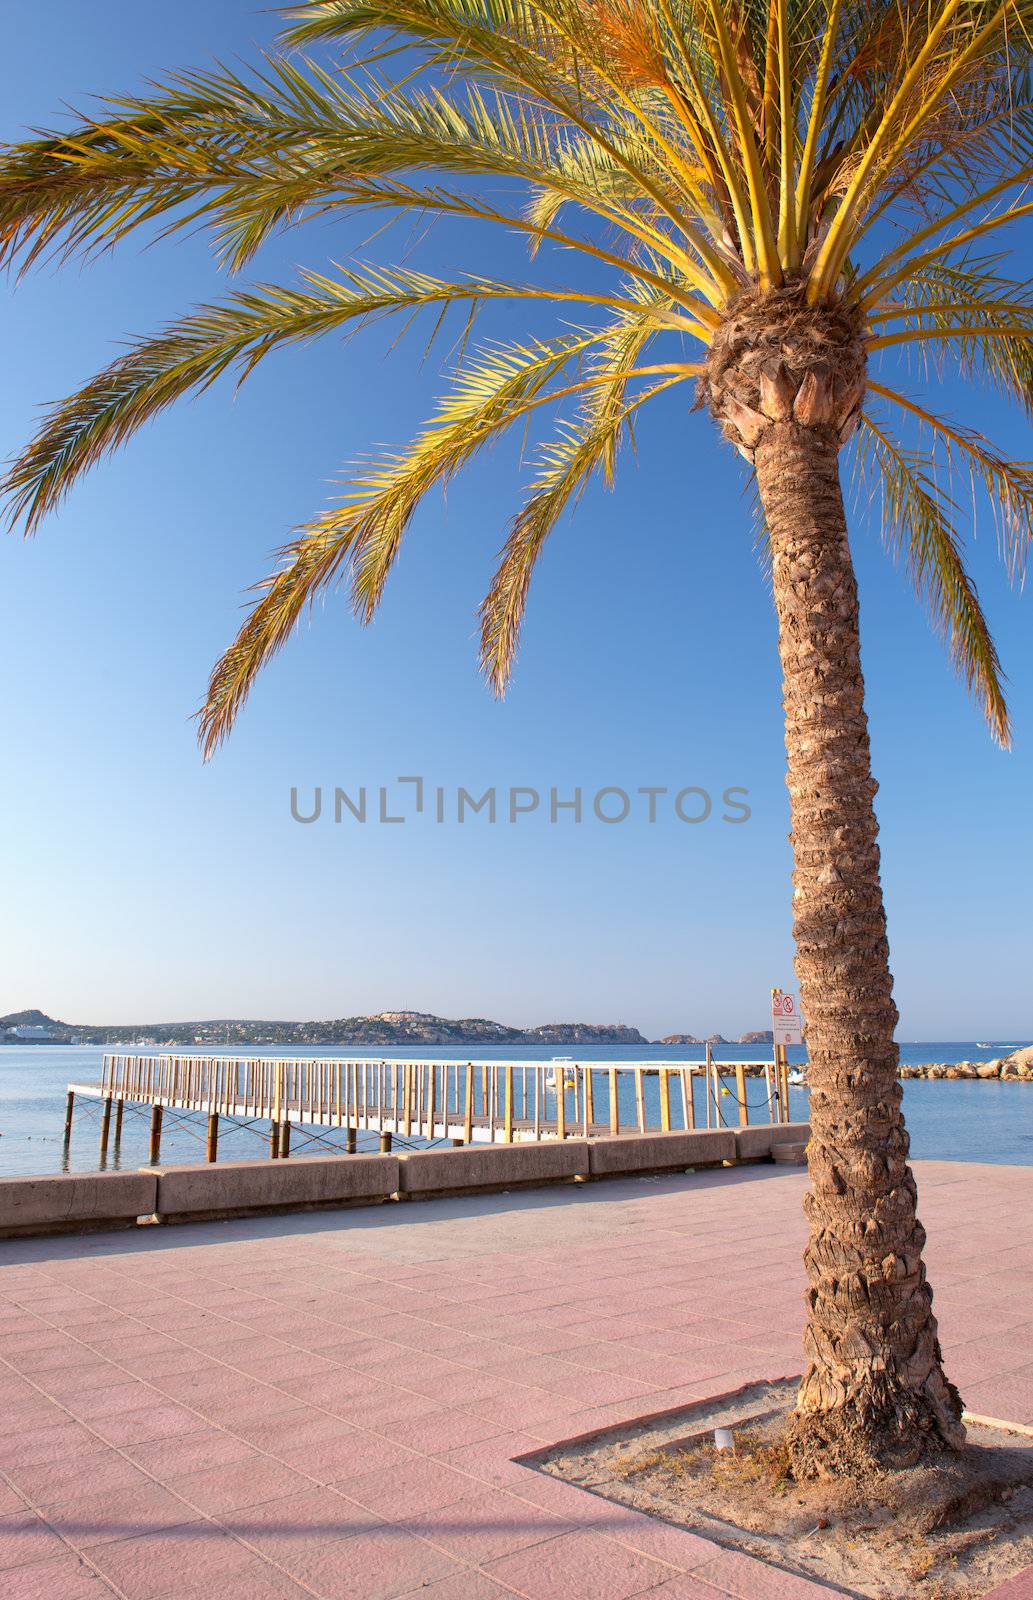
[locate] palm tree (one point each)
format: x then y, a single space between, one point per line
764 194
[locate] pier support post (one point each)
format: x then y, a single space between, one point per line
740 1094
69 1107
105 1127
120 1107
274 1141
782 1083
212 1149
468 1107
385 1144
154 1155
285 1140
349 1141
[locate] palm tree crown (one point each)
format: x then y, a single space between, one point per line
840 159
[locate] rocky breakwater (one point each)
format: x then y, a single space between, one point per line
1017 1066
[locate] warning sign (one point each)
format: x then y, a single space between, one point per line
785 1018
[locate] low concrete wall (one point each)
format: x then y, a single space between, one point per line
68 1202
74 1202
242 1188
500 1166
660 1152
756 1144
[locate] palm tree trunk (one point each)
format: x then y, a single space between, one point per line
874 1391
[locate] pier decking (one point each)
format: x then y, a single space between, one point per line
412 1100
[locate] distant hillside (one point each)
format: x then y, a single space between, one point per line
27 1019
385 1028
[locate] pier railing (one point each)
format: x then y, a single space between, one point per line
468 1101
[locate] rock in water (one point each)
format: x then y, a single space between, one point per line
1019 1064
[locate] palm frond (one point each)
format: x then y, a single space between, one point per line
815 124
371 519
565 466
247 155
235 336
581 167
985 319
764 229
1007 485
944 288
386 194
360 537
692 156
201 143
917 526
974 148
876 287
543 51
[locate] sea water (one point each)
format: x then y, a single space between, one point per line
949 1120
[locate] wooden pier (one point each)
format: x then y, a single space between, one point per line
467 1102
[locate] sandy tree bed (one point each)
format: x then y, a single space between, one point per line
952 1529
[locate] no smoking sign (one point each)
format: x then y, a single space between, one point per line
785 1018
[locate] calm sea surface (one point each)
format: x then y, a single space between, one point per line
952 1121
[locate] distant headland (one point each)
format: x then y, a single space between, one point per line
383 1028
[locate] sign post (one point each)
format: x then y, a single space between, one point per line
786 1029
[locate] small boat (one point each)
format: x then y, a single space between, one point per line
797 1079
565 1063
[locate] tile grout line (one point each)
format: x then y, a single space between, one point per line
208 1423
357 1333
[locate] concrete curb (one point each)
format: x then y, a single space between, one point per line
205 1191
69 1202
249 1188
757 1144
660 1152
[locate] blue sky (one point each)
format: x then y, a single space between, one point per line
140 884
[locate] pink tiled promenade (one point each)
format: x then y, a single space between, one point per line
330 1404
